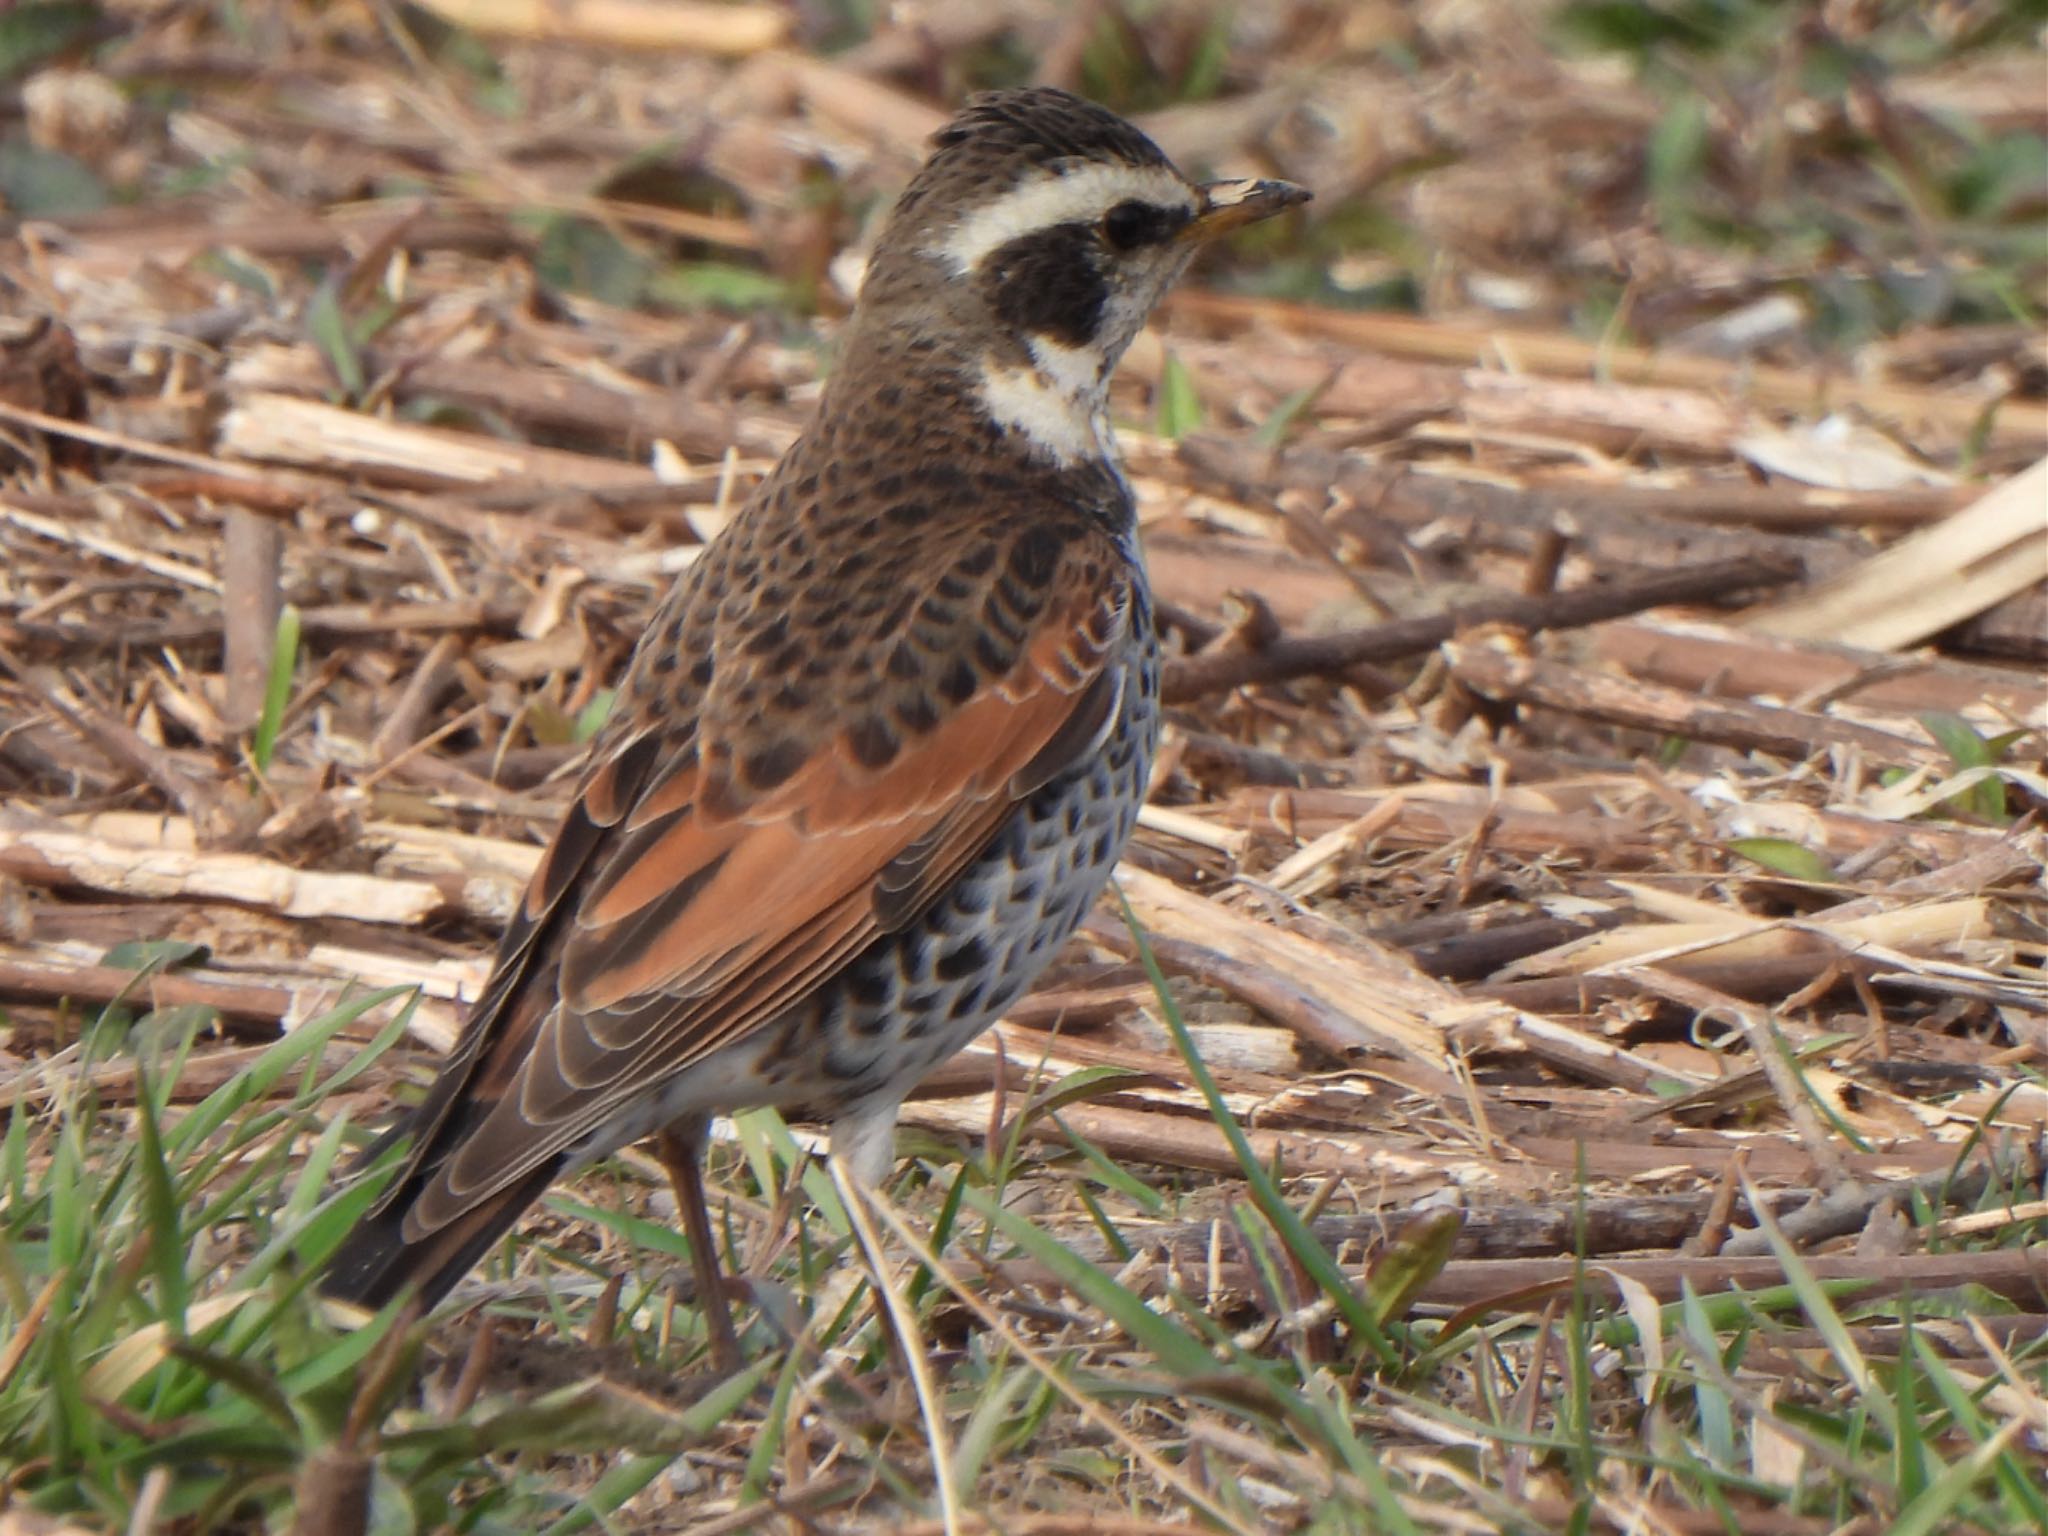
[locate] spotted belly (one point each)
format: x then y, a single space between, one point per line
914 997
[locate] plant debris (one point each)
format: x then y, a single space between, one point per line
1601 795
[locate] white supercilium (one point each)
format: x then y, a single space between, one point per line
1080 193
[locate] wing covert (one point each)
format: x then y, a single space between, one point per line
700 916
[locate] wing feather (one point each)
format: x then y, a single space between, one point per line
680 922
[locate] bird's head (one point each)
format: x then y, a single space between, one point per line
1032 246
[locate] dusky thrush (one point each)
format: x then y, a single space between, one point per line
880 746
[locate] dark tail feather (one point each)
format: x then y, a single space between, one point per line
375 1262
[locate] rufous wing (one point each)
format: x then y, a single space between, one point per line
675 917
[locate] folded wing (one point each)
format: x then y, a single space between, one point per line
682 906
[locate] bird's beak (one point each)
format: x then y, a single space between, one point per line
1228 205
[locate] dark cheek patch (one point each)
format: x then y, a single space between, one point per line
1046 283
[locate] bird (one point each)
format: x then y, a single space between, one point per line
879 747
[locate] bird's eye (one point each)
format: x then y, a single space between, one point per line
1130 224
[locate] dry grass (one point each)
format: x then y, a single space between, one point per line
1621 999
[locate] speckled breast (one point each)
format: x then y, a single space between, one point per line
914 998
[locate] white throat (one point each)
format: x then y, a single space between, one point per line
1059 404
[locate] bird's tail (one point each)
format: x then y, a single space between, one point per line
377 1262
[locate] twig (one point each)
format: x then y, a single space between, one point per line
338 621
2019 1274
215 821
1495 674
1329 1029
1313 655
1768 1048
1844 1210
1789 388
253 598
681 25
44 855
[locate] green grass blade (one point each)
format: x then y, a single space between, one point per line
264 1073
1180 404
1820 1311
1171 1347
1710 1401
277 689
768 1444
1308 1252
1417 1255
2022 1486
1933 1511
619 1484
984 1428
160 1208
1106 1171
328 329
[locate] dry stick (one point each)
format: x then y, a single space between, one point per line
2019 1274
1539 575
1388 1005
213 819
122 442
1738 664
1784 506
1846 1209
81 535
1789 733
1311 655
42 854
175 238
200 485
1712 1233
1927 581
1977 871
107 983
1595 1226
1768 1047
338 621
1548 352
1271 993
434 676
252 599
1882 1340
1594 1153
1404 1161
1605 842
311 434
680 26
550 400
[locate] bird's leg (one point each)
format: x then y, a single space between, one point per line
680 1148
